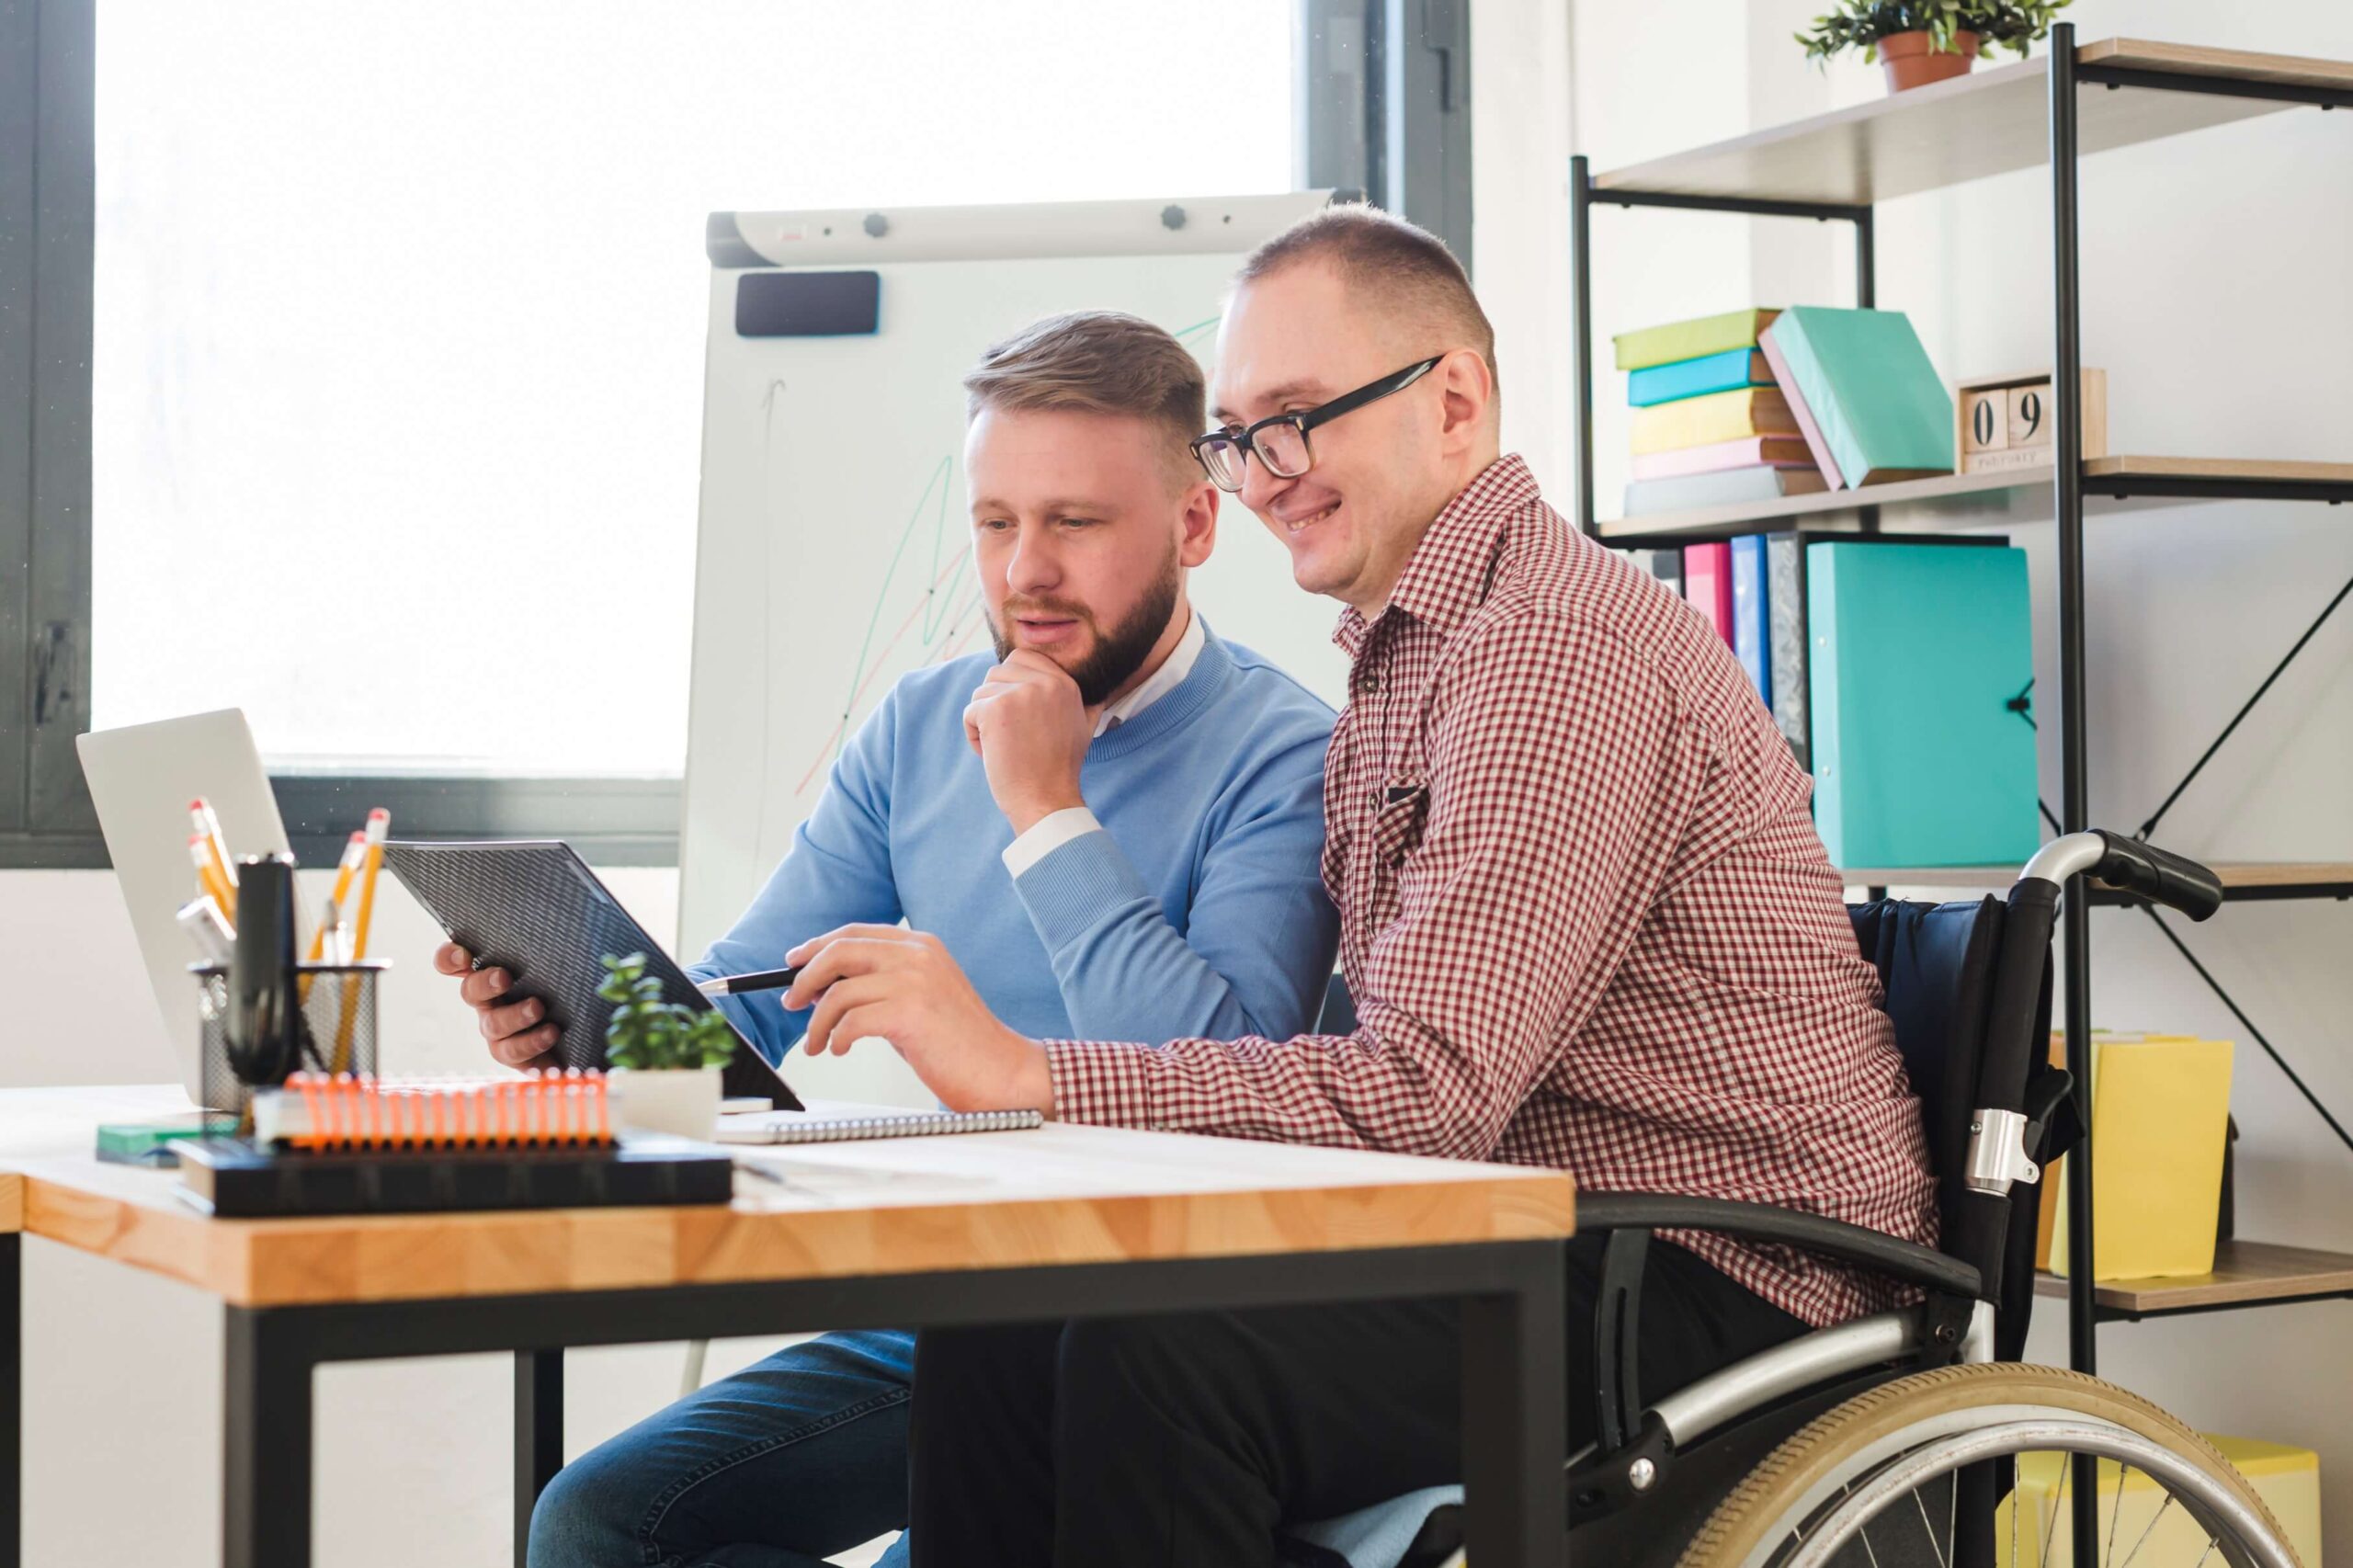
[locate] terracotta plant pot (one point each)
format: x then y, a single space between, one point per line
1912 62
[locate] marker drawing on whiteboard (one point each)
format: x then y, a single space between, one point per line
925 617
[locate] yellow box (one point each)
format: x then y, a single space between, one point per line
2287 1479
2160 1109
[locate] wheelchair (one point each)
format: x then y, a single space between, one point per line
1895 1439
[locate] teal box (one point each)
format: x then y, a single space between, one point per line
1918 651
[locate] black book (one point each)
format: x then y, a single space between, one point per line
231 1178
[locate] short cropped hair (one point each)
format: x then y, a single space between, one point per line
1097 362
1405 270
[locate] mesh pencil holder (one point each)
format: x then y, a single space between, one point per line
338 1028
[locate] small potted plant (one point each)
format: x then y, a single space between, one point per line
664 1058
1921 41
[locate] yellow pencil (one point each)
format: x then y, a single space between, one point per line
209 877
380 823
379 827
206 824
353 853
343 874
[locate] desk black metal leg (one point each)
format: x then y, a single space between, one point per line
12 1400
266 1506
1515 1418
539 1435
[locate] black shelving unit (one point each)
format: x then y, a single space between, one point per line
1836 168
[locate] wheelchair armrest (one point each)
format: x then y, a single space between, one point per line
1874 1250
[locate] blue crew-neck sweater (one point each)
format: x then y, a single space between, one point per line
1196 909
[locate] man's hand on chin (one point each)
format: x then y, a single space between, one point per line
901 986
1030 728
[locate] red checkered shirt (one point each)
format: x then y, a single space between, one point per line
1585 917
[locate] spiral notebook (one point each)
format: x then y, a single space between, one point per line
770 1128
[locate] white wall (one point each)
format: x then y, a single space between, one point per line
2212 269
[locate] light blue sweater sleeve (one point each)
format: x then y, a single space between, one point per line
1257 948
837 872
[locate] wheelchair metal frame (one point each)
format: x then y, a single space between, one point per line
1955 1321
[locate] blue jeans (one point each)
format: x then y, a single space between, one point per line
803 1454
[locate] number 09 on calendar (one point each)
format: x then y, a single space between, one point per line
2007 422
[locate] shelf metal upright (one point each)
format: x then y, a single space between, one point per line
2075 804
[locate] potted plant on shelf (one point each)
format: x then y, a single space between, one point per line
664 1058
1921 41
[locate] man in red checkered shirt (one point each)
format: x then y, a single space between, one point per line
1585 920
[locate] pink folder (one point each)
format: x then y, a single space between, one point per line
1707 582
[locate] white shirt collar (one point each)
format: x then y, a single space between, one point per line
1161 682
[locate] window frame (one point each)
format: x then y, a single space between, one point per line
1396 126
47 200
1382 96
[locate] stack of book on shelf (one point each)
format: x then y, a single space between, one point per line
1899 670
1710 427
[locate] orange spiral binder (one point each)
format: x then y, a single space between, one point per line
554 1108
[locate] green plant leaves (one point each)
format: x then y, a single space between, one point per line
1860 23
647 1034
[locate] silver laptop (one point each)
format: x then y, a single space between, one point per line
142 778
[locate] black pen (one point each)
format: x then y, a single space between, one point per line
736 984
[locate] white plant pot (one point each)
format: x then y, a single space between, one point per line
683 1101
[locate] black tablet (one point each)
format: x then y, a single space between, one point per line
534 909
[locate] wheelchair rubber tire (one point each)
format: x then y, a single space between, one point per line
1757 1511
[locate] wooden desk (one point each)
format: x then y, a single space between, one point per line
910 1232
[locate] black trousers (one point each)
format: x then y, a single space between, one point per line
1155 1442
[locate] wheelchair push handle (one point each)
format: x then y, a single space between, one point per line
2175 881
2158 875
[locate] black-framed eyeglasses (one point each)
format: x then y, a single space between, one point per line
1280 442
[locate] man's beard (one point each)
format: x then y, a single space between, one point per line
1114 655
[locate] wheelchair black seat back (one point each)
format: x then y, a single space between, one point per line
1955 978
1891 1439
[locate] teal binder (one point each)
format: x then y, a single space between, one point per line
1917 652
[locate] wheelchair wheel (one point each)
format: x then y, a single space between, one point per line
1872 1483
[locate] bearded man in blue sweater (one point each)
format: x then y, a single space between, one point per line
1109 830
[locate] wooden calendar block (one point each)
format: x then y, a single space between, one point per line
2006 421
2030 417
1984 422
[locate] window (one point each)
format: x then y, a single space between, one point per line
399 312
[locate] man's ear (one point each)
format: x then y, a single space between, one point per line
1199 521
1466 394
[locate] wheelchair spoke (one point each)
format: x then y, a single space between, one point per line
1797 1537
2116 1516
2135 1555
1929 1530
2015 1498
2042 1552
